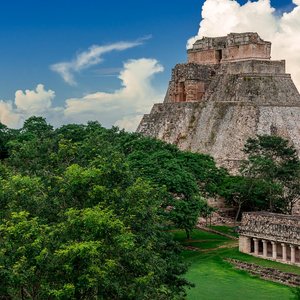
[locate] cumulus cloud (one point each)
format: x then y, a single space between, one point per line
28 103
90 57
34 101
124 106
220 17
8 115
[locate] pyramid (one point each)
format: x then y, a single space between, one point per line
228 91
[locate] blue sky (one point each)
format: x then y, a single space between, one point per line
37 34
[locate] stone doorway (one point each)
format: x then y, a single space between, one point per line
219 56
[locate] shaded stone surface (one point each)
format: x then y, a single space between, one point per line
213 107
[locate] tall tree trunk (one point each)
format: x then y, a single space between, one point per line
237 214
187 232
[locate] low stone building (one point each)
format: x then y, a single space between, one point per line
271 236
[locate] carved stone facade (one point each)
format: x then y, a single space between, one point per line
189 82
271 236
214 105
233 47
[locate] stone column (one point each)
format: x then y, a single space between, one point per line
283 252
265 248
274 250
249 245
244 244
293 254
255 246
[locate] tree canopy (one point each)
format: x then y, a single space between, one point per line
269 177
274 161
85 212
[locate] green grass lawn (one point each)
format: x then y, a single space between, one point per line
225 229
198 235
200 239
216 279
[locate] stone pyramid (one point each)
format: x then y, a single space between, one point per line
229 90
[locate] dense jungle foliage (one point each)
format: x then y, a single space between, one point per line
86 212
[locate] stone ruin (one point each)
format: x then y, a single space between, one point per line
229 90
271 236
230 48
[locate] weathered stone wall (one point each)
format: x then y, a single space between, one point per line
233 47
189 82
207 51
244 245
275 227
172 122
234 108
248 51
209 43
206 57
271 274
261 67
214 109
296 208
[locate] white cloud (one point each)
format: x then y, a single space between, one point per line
8 115
124 106
34 101
28 103
91 57
129 123
220 17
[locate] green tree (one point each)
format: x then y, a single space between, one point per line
246 193
206 211
6 135
185 214
23 257
37 126
162 165
89 261
208 176
95 204
274 160
20 193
